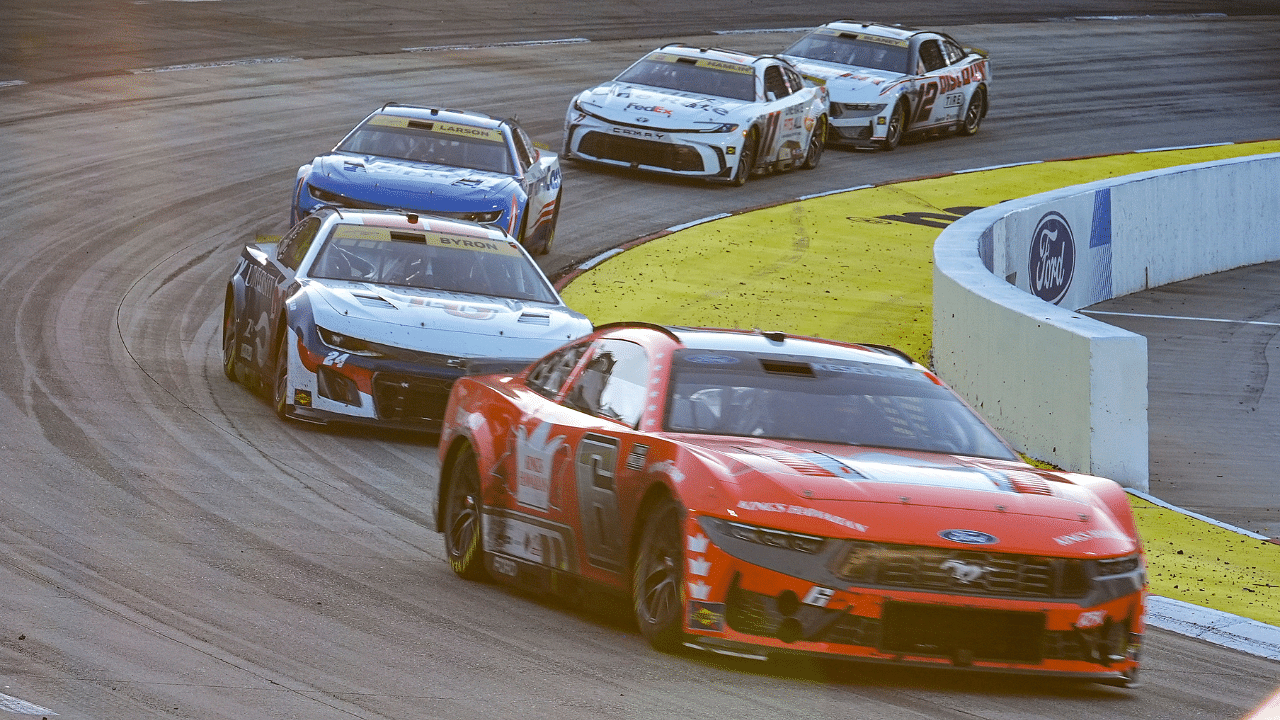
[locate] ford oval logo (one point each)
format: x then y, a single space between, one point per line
969 537
1052 258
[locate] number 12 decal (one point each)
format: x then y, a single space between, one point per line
926 103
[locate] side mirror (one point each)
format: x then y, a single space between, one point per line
770 96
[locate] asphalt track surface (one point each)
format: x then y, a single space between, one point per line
168 548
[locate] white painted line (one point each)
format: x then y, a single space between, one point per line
599 259
1184 147
834 192
686 226
224 63
1181 317
12 83
997 167
14 705
758 32
1215 626
1157 501
481 46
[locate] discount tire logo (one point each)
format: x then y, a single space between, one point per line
1053 258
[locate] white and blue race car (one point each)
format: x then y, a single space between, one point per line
450 163
705 113
887 81
368 316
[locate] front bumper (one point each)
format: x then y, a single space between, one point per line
850 125
404 389
705 155
741 601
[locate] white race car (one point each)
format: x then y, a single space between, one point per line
706 113
887 81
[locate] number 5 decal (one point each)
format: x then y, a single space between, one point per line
595 466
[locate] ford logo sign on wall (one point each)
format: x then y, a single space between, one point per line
1052 258
969 537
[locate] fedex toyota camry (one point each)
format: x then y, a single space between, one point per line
703 113
756 493
450 163
887 81
369 316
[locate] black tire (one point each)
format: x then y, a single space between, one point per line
816 145
280 377
657 578
747 159
462 522
973 115
897 128
230 341
551 233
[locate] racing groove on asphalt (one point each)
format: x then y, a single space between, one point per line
171 549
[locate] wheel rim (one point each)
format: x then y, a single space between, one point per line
895 128
816 144
659 588
229 343
974 115
464 520
747 159
282 376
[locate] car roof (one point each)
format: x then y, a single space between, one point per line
423 112
769 342
732 56
896 32
405 220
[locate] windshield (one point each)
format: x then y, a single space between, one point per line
701 76
822 400
427 141
430 261
858 49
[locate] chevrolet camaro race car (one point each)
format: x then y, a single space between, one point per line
887 81
449 163
704 113
757 494
369 316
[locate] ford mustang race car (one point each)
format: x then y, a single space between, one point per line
369 316
887 81
757 494
448 163
706 113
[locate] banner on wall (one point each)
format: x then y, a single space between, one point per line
1060 251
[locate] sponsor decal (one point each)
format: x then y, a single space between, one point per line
706 616
712 359
1087 535
535 456
1052 258
969 537
504 566
1091 619
437 239
964 572
442 128
635 458
818 596
302 398
801 510
699 567
650 108
698 543
699 590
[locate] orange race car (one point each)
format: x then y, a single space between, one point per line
758 493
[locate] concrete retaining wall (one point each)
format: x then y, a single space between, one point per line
1060 386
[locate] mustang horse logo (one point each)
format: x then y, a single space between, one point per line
964 572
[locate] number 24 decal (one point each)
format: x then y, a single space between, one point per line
336 359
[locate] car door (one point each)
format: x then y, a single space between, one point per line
269 282
941 88
540 176
784 136
593 484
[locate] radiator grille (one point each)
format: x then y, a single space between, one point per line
964 572
641 152
410 398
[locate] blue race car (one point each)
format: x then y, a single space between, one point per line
449 163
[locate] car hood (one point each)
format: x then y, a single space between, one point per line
846 83
911 497
445 323
411 185
655 108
